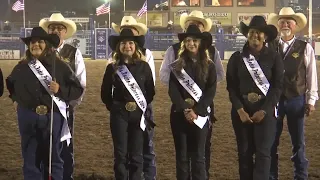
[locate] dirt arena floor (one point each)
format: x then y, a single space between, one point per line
93 143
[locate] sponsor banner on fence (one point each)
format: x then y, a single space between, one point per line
155 19
223 18
101 38
246 17
6 54
79 43
75 19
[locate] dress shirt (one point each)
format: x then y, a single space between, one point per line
80 72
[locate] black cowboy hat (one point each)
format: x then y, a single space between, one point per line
259 23
38 32
194 31
125 34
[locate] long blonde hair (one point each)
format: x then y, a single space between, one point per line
202 64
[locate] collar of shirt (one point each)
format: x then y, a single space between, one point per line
60 47
287 43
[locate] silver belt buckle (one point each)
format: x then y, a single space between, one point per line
42 110
131 106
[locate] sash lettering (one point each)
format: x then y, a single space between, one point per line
258 76
194 90
135 91
45 78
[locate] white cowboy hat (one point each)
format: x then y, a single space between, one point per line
287 12
195 16
57 18
129 21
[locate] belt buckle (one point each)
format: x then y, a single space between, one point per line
253 97
131 106
190 101
42 110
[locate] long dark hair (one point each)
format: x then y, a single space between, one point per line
202 64
47 54
118 57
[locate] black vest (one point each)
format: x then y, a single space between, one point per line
294 81
68 54
176 48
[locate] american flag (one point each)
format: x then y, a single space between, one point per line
143 9
18 6
103 9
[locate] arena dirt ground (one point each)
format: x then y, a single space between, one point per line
93 143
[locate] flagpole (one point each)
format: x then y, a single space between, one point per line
109 14
147 13
24 15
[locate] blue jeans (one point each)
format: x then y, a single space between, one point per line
67 151
254 139
294 110
35 139
127 142
189 142
149 163
208 151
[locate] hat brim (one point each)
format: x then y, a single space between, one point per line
207 23
298 17
182 36
70 25
206 37
140 27
115 40
53 39
270 30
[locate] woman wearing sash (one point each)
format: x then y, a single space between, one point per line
126 90
30 86
254 82
191 104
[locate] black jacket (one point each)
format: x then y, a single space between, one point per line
240 82
27 91
178 94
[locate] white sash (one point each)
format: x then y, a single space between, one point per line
135 91
45 78
194 90
258 76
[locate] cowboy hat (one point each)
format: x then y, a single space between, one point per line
195 16
39 32
57 18
129 21
194 31
259 23
125 34
287 12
